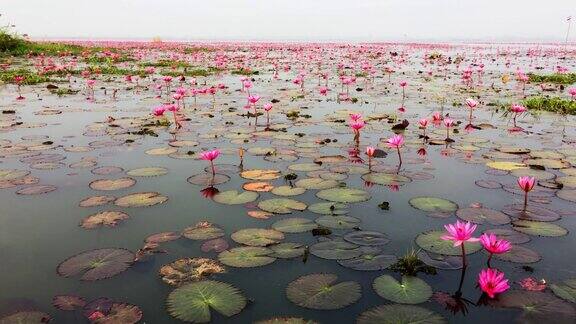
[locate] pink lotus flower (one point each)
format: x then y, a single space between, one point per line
471 103
253 99
268 106
370 151
526 183
355 117
572 92
448 122
436 116
167 78
423 122
357 125
323 91
518 109
159 111
395 141
403 83
210 156
492 282
460 232
494 245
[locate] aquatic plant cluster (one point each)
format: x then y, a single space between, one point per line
288 183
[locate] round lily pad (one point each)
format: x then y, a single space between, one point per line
536 307
444 262
208 179
285 320
258 186
112 184
217 245
288 191
329 208
203 231
141 199
288 250
105 218
96 264
433 204
565 290
36 190
68 302
233 197
344 195
369 260
483 215
539 228
257 236
26 317
412 290
431 242
107 170
148 172
400 314
163 237
294 225
281 205
259 174
96 201
531 213
506 165
567 194
509 235
338 222
386 179
305 167
519 254
335 250
367 238
247 257
321 291
194 302
316 183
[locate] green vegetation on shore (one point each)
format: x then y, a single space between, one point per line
558 78
30 77
553 104
13 45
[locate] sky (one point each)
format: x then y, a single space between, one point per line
307 20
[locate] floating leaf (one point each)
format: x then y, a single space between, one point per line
369 260
539 228
320 291
519 254
217 245
565 290
203 231
294 225
316 183
148 172
386 179
506 165
338 222
285 320
193 302
141 199
431 242
258 186
531 213
509 235
68 302
536 307
444 262
367 238
343 195
412 290
233 197
96 201
121 314
433 204
288 191
162 237
257 236
26 317
106 218
187 270
208 179
281 205
483 215
288 250
247 257
96 264
305 167
36 190
260 174
335 250
112 184
400 314
329 208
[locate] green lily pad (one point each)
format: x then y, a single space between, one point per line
96 264
386 179
509 235
286 320
536 307
288 191
539 228
367 238
247 257
26 317
208 179
369 260
193 302
316 183
483 215
567 194
565 290
203 231
112 184
433 204
257 236
344 195
338 222
148 172
431 242
320 291
329 208
288 250
294 225
281 205
335 250
400 314
233 197
305 167
519 254
412 290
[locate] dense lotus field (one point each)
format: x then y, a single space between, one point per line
151 182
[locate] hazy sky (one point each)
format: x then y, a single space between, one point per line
373 20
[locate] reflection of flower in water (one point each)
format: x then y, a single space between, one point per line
394 187
422 151
532 284
209 192
453 303
354 155
368 184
